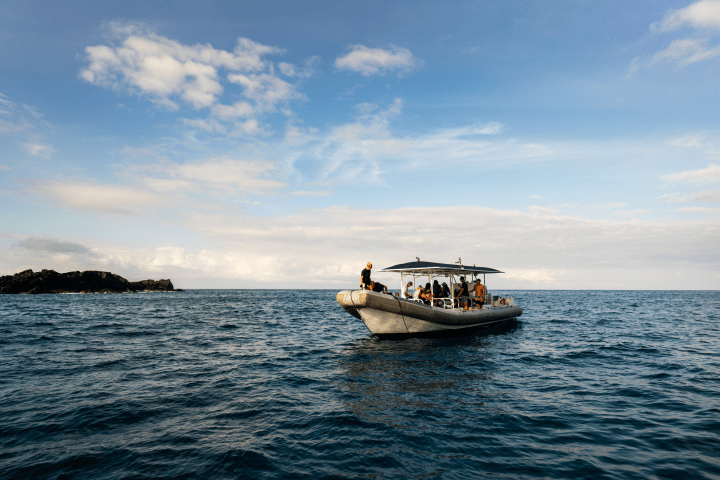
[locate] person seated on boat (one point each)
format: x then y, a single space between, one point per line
365 277
444 290
378 287
464 294
407 292
426 295
445 293
503 301
417 294
479 294
436 294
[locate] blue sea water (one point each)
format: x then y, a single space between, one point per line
285 384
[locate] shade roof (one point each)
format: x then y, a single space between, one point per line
424 268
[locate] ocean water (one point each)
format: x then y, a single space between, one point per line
285 384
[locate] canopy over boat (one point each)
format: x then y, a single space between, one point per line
438 269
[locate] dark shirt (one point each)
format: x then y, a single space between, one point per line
365 274
436 290
464 292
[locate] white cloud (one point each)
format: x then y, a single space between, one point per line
265 89
230 176
165 184
685 52
307 69
709 174
368 148
93 197
631 213
46 244
24 123
689 141
207 125
311 193
702 14
328 247
697 210
702 196
170 73
633 67
38 149
377 61
538 210
17 119
238 109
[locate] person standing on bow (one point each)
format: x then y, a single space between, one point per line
365 277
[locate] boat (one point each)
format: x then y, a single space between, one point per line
390 316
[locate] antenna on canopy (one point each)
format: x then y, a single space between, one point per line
459 261
418 258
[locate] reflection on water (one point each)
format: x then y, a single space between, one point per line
393 381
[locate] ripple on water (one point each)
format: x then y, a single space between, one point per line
285 384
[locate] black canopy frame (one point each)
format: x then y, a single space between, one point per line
424 268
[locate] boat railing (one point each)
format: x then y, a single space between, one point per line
439 302
449 303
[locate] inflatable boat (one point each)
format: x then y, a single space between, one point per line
391 316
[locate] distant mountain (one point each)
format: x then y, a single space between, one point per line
50 281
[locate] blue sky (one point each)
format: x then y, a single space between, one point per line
243 144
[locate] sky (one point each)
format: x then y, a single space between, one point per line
569 144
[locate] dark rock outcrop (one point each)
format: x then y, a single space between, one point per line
50 281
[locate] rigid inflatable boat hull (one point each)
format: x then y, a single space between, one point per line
388 316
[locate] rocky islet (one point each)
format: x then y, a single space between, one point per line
50 281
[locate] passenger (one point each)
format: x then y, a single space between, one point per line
464 294
407 292
479 294
378 287
426 295
436 294
445 292
365 277
416 295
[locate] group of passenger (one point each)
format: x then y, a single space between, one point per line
434 294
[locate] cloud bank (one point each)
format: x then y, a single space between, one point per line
329 246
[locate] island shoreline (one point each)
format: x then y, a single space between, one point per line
90 281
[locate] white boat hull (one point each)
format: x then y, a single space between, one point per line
385 315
